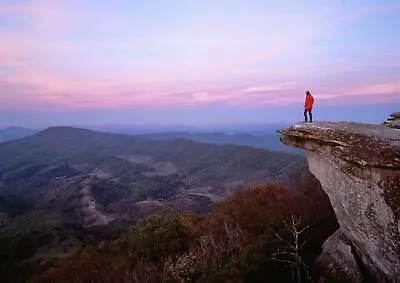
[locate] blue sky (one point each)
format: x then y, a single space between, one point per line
196 62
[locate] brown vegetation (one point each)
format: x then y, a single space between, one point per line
246 238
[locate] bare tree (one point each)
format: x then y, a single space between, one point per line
290 253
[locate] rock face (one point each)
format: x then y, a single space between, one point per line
337 260
393 121
358 166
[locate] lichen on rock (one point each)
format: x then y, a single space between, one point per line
358 166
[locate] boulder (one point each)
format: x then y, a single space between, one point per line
395 115
337 262
393 121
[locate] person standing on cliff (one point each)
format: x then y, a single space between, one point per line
308 105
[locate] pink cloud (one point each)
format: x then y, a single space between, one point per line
46 91
383 88
220 73
269 88
40 10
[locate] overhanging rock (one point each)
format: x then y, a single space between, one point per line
358 166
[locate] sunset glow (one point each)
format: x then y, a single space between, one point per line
59 57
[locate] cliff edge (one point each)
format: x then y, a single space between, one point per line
358 166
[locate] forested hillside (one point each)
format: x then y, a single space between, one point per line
66 188
264 233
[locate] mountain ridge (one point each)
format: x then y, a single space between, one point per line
83 186
86 150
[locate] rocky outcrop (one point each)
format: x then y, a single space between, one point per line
358 166
337 260
393 121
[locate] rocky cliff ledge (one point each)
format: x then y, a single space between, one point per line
393 121
358 166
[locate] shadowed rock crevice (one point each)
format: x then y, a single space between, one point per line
358 166
367 276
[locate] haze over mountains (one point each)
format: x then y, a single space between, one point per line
257 136
265 141
12 133
64 181
85 149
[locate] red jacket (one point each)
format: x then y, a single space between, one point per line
308 104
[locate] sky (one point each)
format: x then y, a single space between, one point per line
197 62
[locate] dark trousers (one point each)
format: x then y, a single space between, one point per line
305 115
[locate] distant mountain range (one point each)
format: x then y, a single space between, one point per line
12 133
57 168
255 129
265 141
257 136
59 187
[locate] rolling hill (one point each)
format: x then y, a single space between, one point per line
60 186
264 141
81 176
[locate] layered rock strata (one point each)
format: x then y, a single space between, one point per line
358 166
393 121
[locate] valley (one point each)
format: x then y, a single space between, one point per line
62 184
91 215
